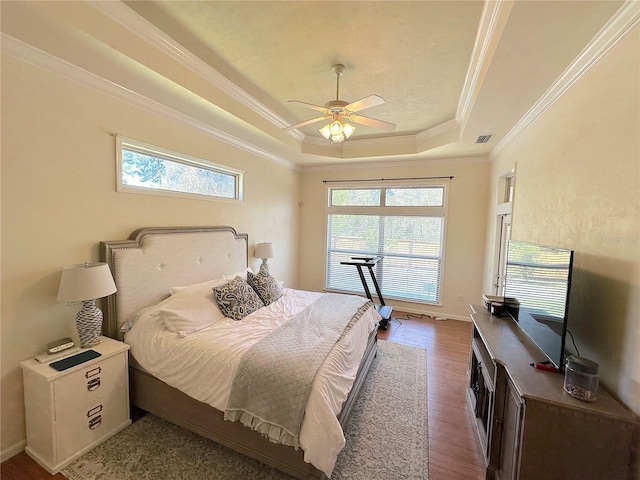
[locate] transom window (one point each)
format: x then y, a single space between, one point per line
403 224
144 168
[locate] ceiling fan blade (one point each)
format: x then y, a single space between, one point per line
372 122
309 105
366 102
306 122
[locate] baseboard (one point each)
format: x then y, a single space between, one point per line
12 451
436 315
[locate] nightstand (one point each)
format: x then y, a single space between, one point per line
70 412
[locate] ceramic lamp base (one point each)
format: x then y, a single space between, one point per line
89 324
264 267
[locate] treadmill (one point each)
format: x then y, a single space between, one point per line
369 262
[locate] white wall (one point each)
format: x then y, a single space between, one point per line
465 226
59 201
578 187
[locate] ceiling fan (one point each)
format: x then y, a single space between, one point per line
337 111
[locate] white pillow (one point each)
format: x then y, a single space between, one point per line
207 285
133 318
241 273
188 312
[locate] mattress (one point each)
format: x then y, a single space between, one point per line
202 365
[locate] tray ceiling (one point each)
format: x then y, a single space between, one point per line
449 71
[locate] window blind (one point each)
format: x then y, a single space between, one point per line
402 223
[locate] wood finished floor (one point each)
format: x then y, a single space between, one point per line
454 453
453 448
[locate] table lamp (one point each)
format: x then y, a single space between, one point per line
264 251
84 283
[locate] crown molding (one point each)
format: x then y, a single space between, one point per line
492 22
494 14
148 32
412 163
356 148
410 144
47 61
619 25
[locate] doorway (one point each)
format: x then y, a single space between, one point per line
504 224
503 229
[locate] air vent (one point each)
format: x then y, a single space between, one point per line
483 138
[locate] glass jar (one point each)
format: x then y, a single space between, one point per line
581 378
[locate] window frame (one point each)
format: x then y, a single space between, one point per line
128 144
391 211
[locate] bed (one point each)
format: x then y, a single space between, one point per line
152 264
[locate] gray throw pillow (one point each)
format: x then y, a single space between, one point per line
266 286
237 299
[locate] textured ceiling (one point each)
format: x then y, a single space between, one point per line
449 71
433 62
413 54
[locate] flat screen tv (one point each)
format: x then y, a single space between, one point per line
539 278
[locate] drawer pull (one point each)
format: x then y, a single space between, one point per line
94 410
95 422
93 372
93 384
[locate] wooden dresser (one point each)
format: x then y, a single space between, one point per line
529 428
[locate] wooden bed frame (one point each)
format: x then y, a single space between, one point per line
145 268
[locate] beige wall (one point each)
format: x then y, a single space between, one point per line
59 201
465 227
578 186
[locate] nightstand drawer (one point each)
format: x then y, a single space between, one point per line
89 384
89 424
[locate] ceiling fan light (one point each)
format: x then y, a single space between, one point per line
326 131
336 128
348 129
337 138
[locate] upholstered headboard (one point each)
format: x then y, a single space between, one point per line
153 260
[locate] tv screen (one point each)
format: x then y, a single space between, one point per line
539 278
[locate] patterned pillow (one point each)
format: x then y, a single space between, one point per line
265 286
237 299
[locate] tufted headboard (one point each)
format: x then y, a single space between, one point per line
153 260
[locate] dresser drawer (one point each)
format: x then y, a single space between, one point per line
87 425
89 384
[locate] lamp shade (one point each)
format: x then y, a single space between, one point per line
326 131
265 250
85 281
337 131
348 129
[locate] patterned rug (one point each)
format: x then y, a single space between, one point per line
386 437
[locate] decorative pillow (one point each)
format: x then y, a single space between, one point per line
265 286
237 299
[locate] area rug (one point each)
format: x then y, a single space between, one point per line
386 437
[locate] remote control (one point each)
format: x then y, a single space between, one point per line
59 345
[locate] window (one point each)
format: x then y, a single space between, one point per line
403 224
144 168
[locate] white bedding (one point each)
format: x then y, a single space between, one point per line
202 365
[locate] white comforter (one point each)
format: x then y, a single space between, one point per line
203 364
